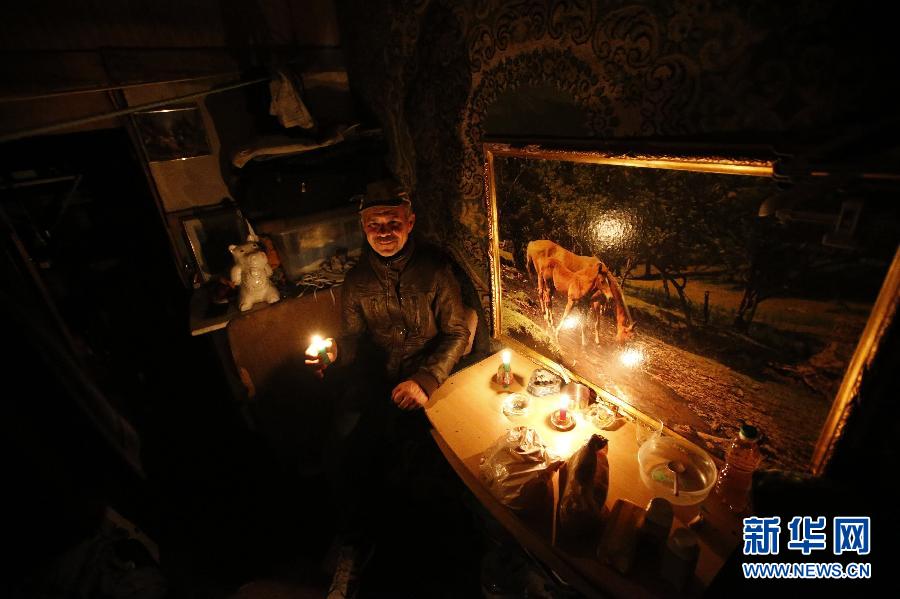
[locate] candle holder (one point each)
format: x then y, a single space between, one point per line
601 416
562 420
515 404
324 357
319 347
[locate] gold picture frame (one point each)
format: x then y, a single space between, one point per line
710 171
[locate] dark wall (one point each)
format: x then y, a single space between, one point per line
441 75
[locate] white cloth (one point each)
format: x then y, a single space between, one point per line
287 104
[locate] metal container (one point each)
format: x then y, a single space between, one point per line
310 243
580 395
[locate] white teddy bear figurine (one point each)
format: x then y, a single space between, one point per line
251 271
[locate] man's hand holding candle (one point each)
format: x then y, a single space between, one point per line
408 395
321 353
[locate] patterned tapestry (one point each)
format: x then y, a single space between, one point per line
440 75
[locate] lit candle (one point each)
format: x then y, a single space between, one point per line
504 375
563 407
320 347
560 419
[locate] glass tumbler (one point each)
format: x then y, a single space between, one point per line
645 430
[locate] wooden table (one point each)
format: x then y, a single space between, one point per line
467 418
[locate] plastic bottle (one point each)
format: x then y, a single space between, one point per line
741 459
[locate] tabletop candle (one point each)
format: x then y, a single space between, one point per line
504 374
560 419
563 407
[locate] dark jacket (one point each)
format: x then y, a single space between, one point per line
410 308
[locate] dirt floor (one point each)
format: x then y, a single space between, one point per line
784 388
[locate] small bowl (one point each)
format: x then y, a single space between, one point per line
515 405
694 484
601 416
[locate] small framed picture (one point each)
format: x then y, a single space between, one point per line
172 133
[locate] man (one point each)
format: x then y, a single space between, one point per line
403 329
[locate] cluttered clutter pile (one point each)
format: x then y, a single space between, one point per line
523 472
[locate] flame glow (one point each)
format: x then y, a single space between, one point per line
613 229
631 357
571 322
317 344
507 357
564 445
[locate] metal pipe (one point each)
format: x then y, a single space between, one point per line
108 88
125 111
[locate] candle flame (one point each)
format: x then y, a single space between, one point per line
317 344
564 401
507 356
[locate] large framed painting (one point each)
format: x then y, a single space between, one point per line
699 290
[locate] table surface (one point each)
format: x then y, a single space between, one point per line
467 418
204 318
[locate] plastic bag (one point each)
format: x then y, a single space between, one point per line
584 485
518 468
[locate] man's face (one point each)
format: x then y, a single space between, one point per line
387 228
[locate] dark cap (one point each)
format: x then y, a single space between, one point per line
749 432
384 193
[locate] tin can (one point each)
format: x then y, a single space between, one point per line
581 396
